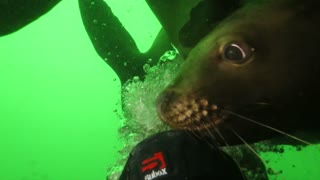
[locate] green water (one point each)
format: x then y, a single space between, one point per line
57 102
60 104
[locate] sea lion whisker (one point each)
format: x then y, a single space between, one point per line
194 133
262 103
269 127
198 136
214 140
221 136
212 144
245 142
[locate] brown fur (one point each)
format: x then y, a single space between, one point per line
277 85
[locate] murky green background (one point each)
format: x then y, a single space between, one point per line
59 103
57 99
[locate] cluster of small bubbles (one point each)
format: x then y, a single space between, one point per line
168 56
278 149
234 151
267 151
114 172
263 147
258 173
139 107
251 166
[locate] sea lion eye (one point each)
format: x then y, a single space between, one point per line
237 52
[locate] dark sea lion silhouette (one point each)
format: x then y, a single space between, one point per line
15 14
114 44
256 70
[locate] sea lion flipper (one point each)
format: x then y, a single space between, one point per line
114 44
18 13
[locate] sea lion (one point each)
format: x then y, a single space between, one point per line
254 72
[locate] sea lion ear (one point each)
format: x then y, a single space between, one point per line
203 18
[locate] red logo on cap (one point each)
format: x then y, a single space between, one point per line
153 162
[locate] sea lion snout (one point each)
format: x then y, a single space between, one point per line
188 112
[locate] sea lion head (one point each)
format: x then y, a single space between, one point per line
257 70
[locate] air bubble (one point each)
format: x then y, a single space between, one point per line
146 68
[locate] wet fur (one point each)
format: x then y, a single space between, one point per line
278 87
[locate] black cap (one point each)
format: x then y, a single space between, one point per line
177 155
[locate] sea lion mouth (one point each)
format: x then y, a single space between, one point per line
189 112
